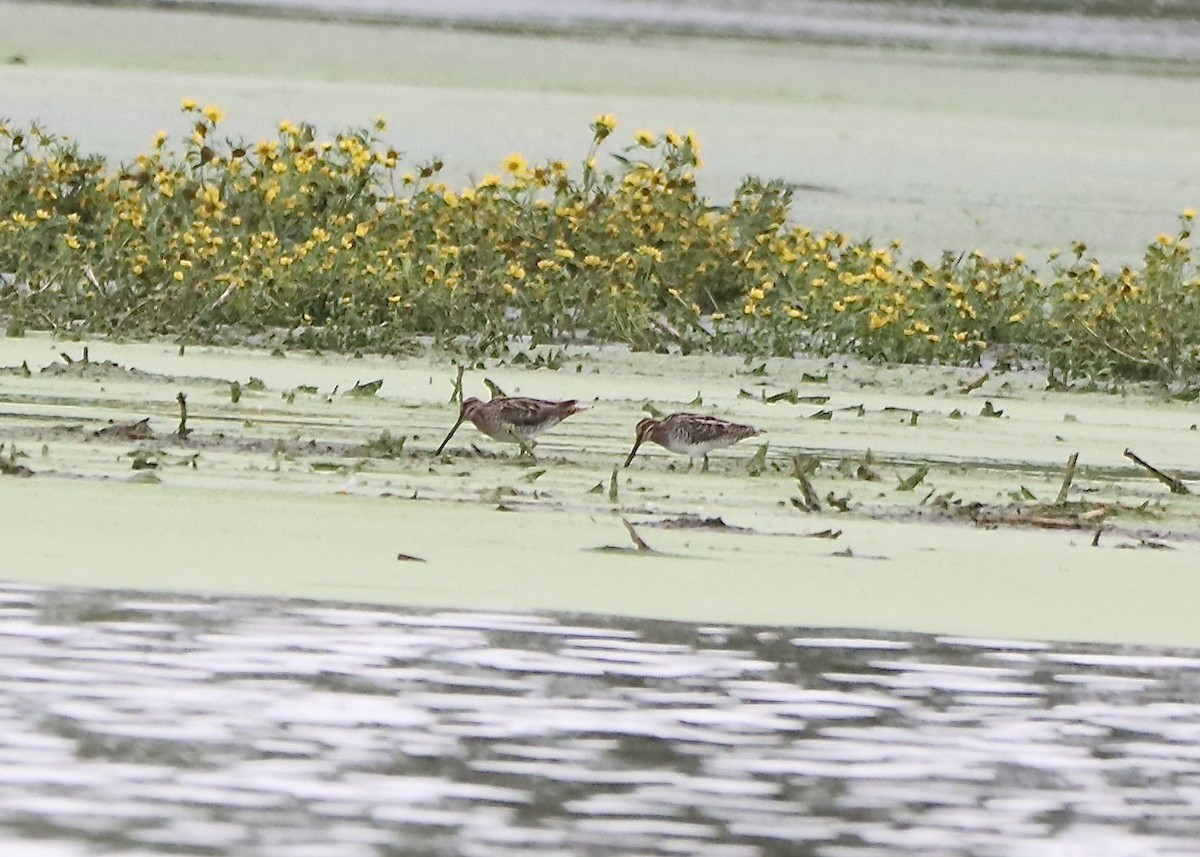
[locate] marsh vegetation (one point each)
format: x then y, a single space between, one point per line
338 244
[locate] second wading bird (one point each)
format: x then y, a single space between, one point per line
513 419
690 435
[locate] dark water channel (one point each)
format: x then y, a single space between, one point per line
135 724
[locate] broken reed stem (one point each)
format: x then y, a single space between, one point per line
812 503
637 540
1176 485
976 384
1068 478
183 431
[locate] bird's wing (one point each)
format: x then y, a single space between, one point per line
704 428
527 412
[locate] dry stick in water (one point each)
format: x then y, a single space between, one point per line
637 540
1068 477
976 384
811 502
183 431
1176 486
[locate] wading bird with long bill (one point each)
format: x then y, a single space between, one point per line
690 435
513 419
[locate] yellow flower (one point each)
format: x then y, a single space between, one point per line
717 316
516 271
490 180
160 139
592 261
603 125
214 114
516 164
1189 214
1165 240
178 276
878 321
189 104
757 294
645 138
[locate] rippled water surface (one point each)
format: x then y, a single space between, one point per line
173 725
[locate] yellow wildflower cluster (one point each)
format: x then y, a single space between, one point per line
336 242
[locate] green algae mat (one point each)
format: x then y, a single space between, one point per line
914 498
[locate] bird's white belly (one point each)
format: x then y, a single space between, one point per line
691 449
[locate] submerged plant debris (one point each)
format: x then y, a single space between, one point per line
486 525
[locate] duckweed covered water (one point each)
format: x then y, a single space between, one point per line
140 724
298 490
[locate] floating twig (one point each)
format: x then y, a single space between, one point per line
183 431
910 482
139 430
759 462
493 388
1068 477
808 502
976 384
1176 485
638 541
824 534
364 389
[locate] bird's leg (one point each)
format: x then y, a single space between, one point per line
704 469
526 448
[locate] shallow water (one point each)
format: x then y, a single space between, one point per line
996 26
176 725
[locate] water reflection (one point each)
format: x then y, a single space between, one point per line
138 725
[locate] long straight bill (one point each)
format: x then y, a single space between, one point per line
633 451
447 440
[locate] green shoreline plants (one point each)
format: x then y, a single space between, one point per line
338 243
